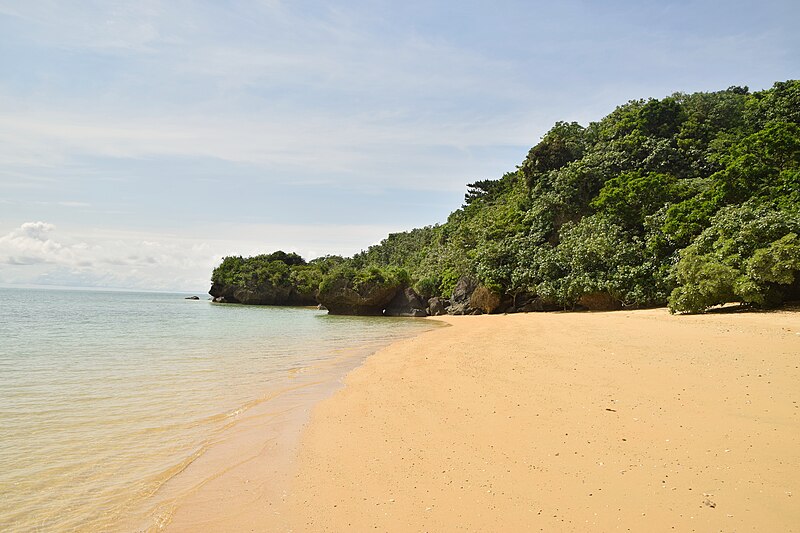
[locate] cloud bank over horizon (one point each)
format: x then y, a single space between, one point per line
39 253
316 127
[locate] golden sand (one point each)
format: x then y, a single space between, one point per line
637 421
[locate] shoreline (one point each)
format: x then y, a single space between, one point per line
635 420
243 472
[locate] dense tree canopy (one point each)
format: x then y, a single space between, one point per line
691 200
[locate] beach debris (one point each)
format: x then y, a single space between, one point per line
709 503
612 410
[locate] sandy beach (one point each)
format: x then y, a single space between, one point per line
629 421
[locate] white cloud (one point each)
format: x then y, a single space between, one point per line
39 253
31 244
36 252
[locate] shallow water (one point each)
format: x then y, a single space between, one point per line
104 396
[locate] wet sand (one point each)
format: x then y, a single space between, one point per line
239 482
637 421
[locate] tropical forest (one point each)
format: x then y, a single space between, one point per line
690 201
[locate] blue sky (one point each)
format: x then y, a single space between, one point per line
141 141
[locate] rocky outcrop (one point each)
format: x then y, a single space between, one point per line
262 294
599 301
472 298
368 299
437 306
406 303
192 298
506 304
484 299
536 304
459 302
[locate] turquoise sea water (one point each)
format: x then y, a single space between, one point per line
106 395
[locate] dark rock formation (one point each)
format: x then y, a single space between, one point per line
484 299
369 299
459 302
192 298
464 289
506 304
262 294
599 301
406 303
538 303
437 306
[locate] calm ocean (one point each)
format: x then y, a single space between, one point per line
104 396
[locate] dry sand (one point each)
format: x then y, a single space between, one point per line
625 421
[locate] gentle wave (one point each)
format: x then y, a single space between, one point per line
104 397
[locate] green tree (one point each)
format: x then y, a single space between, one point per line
765 164
749 254
595 255
632 196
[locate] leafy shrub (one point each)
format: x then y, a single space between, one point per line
428 287
749 254
364 278
596 255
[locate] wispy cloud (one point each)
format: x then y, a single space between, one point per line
349 153
268 85
330 118
106 26
40 253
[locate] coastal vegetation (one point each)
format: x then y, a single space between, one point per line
691 201
268 279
